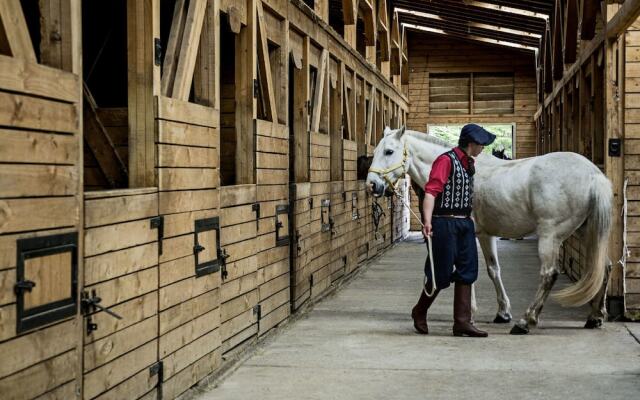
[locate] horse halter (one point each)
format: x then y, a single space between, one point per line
383 172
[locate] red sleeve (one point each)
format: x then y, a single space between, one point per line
440 170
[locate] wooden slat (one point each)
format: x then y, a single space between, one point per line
189 49
187 200
38 80
39 114
188 135
18 180
111 265
173 48
264 66
189 113
21 215
319 91
15 30
187 178
180 314
101 211
115 237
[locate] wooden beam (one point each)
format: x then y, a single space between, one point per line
346 104
301 115
16 35
318 96
547 65
337 107
383 31
506 9
206 73
349 12
173 48
589 11
101 145
626 15
558 65
570 31
189 49
264 70
143 25
55 37
370 112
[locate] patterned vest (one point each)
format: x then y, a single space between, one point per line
457 196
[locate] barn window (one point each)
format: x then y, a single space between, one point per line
471 93
505 142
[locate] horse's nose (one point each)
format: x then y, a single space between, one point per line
373 187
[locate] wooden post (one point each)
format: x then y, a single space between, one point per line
337 94
301 115
143 25
246 111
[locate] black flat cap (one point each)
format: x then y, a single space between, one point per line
477 134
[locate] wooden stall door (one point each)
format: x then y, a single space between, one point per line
122 247
40 194
300 204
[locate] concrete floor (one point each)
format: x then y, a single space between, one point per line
360 344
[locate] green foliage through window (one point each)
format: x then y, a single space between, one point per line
504 133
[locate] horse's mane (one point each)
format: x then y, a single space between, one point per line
429 138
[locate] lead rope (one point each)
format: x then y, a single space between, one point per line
429 249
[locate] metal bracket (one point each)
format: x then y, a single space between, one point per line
355 214
310 202
281 240
23 286
91 326
344 196
255 207
311 280
257 311
158 223
157 369
325 211
256 88
157 51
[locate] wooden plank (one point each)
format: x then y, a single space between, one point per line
119 209
133 388
182 313
111 374
37 147
37 346
319 91
188 135
188 332
15 31
20 215
189 113
111 347
187 200
264 66
190 353
39 114
189 376
187 157
181 223
187 289
189 49
18 180
132 312
40 378
237 195
37 80
187 178
173 48
126 287
111 265
115 237
273 145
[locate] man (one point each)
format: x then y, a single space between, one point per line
447 207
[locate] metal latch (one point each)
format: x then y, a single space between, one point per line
158 223
23 286
256 208
157 51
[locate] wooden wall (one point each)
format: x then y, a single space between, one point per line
194 271
430 54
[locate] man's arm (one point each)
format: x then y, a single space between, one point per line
427 207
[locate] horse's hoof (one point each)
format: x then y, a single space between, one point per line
518 330
499 319
593 323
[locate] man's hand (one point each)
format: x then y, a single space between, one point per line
426 230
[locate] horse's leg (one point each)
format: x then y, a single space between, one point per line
490 252
548 247
598 309
474 304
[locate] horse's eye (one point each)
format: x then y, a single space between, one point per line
388 152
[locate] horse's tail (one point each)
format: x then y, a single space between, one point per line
598 226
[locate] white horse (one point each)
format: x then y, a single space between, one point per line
551 195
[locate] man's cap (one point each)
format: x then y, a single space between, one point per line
477 134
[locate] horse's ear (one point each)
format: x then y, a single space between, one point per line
387 131
400 132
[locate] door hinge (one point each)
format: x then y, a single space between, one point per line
311 280
157 369
257 311
158 223
157 51
255 207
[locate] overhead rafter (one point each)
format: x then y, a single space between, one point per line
588 13
506 8
464 27
474 38
458 10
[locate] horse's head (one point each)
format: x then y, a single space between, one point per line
390 162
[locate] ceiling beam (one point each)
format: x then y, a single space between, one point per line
458 9
474 38
463 28
506 9
588 14
626 15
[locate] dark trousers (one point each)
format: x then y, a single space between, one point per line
454 243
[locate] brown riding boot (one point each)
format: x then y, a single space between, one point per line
419 312
462 312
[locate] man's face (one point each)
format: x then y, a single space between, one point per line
475 149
